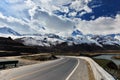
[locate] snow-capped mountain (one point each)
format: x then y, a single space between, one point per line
43 40
49 40
8 31
41 20
117 37
76 32
106 40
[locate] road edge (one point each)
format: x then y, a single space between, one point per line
78 62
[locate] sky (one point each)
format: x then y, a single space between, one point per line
60 16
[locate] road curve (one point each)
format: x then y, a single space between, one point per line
52 70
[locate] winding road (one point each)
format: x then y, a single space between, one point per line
65 68
52 70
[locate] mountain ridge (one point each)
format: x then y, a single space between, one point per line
9 31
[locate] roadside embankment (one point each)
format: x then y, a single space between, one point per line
88 69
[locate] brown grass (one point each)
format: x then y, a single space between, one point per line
40 57
116 57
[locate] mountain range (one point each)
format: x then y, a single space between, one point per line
77 37
71 43
8 31
76 42
88 24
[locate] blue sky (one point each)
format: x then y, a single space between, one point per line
13 8
60 16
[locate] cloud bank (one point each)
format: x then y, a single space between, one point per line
36 16
102 25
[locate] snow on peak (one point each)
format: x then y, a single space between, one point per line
76 32
9 31
117 37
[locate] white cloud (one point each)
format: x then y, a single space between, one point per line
16 24
28 16
82 13
30 3
32 7
87 9
79 5
72 14
13 1
102 25
39 18
65 9
11 19
14 8
53 23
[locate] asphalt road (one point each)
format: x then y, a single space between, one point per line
52 70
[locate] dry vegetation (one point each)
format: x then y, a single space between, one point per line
117 57
40 57
103 63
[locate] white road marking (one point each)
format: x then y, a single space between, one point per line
73 70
